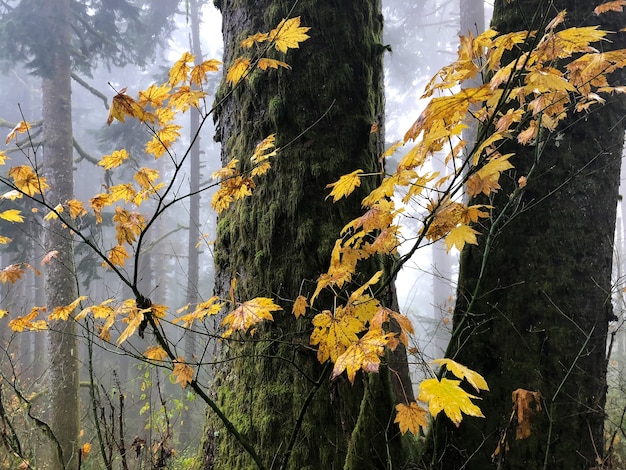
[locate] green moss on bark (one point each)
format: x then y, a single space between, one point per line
279 240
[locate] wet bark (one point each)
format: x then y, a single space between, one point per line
538 317
279 240
61 287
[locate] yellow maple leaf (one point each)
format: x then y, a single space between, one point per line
207 308
154 95
462 372
265 63
3 157
3 313
20 128
288 34
198 73
185 97
249 314
128 225
155 353
333 334
12 273
133 320
26 322
459 236
363 354
12 215
27 181
447 395
5 240
345 185
145 177
113 160
122 191
62 313
123 105
251 40
239 70
100 311
179 71
12 195
261 151
76 208
299 306
411 418
182 372
117 256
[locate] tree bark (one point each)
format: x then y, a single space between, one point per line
279 240
61 287
537 318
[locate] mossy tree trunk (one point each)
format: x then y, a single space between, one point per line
537 319
279 240
61 287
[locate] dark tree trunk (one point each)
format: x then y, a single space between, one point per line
537 318
61 287
279 240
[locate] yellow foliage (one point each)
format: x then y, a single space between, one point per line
114 160
26 322
249 314
447 396
12 215
461 372
117 256
199 72
180 70
182 373
210 307
62 313
300 306
364 354
12 273
27 181
333 334
20 128
346 185
239 70
155 353
288 34
76 208
411 418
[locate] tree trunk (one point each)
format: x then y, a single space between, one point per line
537 318
279 240
61 287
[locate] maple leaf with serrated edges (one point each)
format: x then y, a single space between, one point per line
203 309
26 322
182 373
145 177
27 181
114 160
248 314
288 34
12 273
333 334
411 418
63 312
76 208
155 353
186 97
299 306
154 95
461 372
98 202
251 40
12 215
179 71
117 256
362 355
459 236
447 395
345 185
123 105
198 73
239 70
125 192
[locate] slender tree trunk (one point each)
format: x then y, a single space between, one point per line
61 287
537 318
279 240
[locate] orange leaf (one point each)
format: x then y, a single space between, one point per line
299 306
155 353
182 372
20 128
525 404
